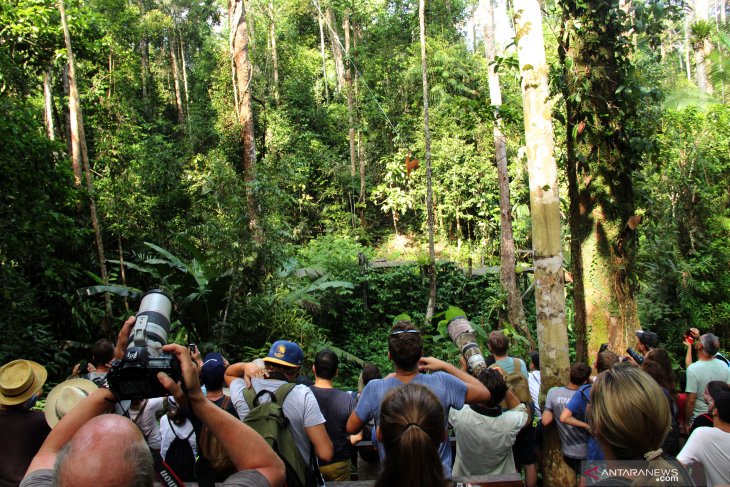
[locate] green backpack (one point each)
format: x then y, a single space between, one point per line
517 383
268 420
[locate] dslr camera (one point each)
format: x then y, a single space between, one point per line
135 375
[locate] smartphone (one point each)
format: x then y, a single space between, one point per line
604 347
689 337
192 348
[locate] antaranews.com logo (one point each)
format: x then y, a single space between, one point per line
618 473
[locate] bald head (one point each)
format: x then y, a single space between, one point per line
107 451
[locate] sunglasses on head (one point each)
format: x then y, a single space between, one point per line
400 332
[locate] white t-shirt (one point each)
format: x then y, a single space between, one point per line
711 448
168 434
534 383
484 443
147 421
300 407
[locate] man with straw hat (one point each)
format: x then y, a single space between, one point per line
66 396
22 431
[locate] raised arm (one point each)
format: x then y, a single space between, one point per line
123 338
246 448
98 402
688 355
476 392
245 371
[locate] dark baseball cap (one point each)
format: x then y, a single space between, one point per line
284 352
648 338
211 374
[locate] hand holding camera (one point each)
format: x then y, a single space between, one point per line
134 376
190 387
690 336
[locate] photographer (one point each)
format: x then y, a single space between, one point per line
88 447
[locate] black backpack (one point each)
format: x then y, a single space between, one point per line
180 457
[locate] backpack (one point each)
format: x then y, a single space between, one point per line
268 420
180 457
517 383
214 452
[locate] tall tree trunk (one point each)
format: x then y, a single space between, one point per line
508 276
110 89
575 215
703 48
324 56
75 162
244 76
545 210
336 47
48 104
81 156
144 68
176 79
274 51
687 47
357 34
144 63
350 102
184 76
122 271
429 190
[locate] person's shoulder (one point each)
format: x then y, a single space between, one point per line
299 390
377 386
711 432
555 390
38 478
246 478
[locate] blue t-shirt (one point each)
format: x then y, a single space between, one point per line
450 391
577 406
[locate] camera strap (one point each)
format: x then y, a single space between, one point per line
166 476
139 414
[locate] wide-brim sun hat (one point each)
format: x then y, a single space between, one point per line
19 380
66 396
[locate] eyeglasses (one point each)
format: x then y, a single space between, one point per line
400 332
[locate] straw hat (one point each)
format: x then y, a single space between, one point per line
19 380
66 396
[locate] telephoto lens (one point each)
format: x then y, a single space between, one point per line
462 335
153 322
135 375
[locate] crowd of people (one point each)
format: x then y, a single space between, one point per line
424 424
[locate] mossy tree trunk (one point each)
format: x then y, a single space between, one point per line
546 233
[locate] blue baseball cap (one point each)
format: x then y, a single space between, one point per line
284 352
212 371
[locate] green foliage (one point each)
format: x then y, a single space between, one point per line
684 253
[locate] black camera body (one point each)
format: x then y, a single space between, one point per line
135 376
